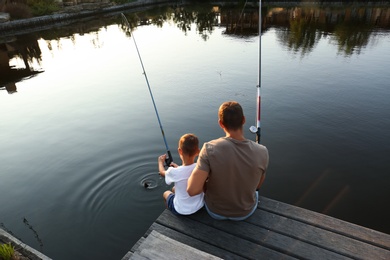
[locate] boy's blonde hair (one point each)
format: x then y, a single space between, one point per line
189 144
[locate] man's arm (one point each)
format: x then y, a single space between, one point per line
266 161
261 181
196 182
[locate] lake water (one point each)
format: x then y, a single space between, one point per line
81 137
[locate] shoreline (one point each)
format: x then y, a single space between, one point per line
38 23
70 14
22 250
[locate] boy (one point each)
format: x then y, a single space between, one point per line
178 201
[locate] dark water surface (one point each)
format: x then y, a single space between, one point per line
80 138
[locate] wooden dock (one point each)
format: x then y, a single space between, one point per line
275 231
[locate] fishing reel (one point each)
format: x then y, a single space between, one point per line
253 129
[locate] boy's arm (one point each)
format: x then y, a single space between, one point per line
161 168
196 182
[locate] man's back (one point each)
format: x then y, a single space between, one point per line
235 168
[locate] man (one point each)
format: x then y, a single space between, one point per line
230 169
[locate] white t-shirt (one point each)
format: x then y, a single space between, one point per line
184 203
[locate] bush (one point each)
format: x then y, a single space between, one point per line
43 7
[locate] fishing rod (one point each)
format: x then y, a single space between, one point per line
257 129
168 159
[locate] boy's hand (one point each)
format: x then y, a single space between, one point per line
161 158
174 165
161 161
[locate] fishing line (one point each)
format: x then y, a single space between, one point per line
239 19
257 129
168 159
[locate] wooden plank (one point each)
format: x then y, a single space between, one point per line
218 238
194 242
275 231
137 244
318 237
127 256
158 246
268 238
325 222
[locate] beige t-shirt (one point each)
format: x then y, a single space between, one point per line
235 168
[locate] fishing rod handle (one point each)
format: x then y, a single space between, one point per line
168 159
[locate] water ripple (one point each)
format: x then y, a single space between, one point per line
118 184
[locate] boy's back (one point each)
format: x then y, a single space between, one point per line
184 203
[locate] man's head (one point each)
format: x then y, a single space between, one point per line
231 116
189 144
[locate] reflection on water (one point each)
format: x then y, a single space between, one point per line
349 28
24 48
299 29
80 140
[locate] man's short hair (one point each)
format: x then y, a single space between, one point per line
189 144
231 115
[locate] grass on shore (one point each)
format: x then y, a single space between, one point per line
6 252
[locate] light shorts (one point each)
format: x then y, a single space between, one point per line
220 217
